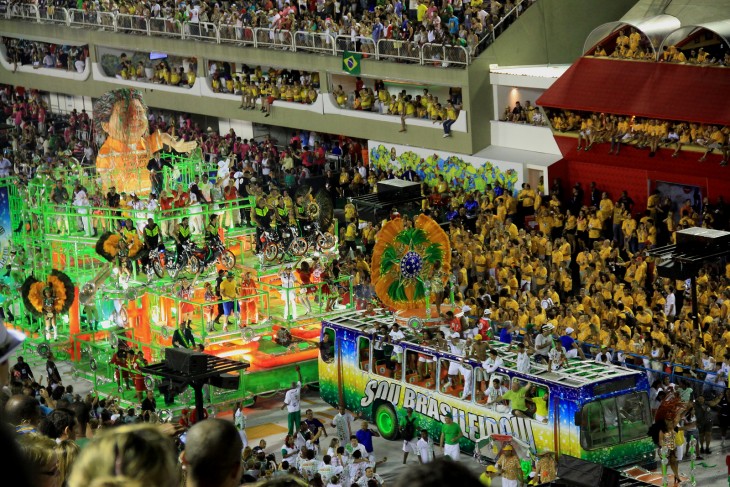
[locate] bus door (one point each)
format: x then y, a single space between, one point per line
330 364
567 430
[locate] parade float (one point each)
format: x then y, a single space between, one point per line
79 282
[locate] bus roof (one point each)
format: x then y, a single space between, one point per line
578 373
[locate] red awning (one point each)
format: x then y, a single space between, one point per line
644 89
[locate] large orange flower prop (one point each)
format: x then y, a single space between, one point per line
404 258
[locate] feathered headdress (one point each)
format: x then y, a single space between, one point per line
61 285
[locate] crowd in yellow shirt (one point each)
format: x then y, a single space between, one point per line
651 134
607 291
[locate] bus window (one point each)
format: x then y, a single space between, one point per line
327 345
634 415
538 398
363 345
615 420
420 369
450 380
488 388
382 363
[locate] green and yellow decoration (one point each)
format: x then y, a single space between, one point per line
403 261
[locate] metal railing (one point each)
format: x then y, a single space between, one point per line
55 15
321 43
97 20
165 27
440 54
314 42
362 45
24 11
229 33
132 24
399 51
204 31
274 38
500 26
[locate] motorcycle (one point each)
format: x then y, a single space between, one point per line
289 242
194 259
316 237
156 262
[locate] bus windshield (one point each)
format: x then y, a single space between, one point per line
615 420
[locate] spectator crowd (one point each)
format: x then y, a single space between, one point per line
22 52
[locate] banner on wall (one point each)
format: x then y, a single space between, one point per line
459 171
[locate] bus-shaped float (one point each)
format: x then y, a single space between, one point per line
597 412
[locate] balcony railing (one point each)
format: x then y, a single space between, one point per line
320 43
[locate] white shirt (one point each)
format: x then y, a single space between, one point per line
425 450
396 336
328 471
5 166
343 425
240 419
80 65
291 399
287 280
490 365
670 306
523 363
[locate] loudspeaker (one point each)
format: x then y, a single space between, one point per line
186 361
226 381
579 473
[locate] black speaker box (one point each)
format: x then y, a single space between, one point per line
226 381
579 473
186 361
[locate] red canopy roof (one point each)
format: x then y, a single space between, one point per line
644 89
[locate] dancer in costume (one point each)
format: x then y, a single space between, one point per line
186 293
249 305
210 311
49 313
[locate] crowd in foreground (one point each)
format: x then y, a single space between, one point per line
56 438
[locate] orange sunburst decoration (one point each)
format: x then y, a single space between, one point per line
403 261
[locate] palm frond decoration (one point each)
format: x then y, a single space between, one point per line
403 261
433 253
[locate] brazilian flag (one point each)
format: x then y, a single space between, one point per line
351 62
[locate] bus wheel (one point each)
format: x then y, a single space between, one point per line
386 421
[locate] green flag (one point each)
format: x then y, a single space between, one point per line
351 62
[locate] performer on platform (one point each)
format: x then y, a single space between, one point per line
182 237
49 313
121 367
187 293
301 214
210 311
212 240
288 293
137 361
183 337
249 305
228 294
304 274
261 215
151 235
